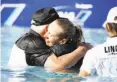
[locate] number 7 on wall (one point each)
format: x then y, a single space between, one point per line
15 13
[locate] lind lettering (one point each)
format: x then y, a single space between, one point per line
105 49
109 49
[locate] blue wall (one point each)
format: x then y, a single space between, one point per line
89 13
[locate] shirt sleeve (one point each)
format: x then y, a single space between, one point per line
89 62
62 49
59 50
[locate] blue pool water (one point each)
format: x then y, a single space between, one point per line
39 74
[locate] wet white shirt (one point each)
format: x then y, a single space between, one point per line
17 57
102 59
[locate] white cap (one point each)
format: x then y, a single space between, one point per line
111 16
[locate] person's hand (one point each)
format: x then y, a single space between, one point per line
85 46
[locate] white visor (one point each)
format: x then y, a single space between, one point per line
111 16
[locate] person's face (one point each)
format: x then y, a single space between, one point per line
52 35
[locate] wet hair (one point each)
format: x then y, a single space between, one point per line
71 32
113 26
79 34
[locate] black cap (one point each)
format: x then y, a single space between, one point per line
44 16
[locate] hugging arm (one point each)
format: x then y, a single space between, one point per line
67 60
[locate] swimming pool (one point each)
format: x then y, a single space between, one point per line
38 74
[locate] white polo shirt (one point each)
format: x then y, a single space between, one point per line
17 57
102 59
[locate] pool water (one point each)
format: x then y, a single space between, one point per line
39 74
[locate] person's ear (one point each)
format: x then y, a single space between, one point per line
108 28
46 29
63 41
43 30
